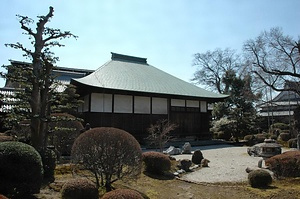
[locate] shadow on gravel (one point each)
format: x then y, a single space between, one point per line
208 147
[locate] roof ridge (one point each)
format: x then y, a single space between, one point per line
127 58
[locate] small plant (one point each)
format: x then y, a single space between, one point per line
259 178
21 169
197 157
159 133
156 163
286 164
123 194
79 189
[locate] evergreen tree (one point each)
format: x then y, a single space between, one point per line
36 79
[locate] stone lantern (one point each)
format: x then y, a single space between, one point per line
267 149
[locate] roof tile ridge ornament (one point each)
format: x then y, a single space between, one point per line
127 58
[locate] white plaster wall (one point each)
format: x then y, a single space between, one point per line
192 103
203 107
101 102
123 104
178 102
142 104
159 105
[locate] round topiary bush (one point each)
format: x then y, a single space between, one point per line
123 194
197 157
3 197
250 140
281 126
79 189
259 178
286 164
292 143
260 137
21 169
249 137
156 163
273 137
109 153
284 136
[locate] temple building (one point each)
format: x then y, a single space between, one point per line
281 108
128 93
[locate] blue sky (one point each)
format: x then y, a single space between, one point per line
166 32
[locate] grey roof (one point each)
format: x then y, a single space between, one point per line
135 74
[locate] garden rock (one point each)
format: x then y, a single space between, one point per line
185 164
172 151
197 157
187 148
204 162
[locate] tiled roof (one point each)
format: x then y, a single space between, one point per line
135 74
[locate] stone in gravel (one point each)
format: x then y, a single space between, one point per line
173 151
204 162
185 164
187 148
197 157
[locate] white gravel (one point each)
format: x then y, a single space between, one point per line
227 164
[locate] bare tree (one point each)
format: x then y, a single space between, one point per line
159 133
110 153
212 67
275 58
42 39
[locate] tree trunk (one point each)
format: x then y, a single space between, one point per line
298 141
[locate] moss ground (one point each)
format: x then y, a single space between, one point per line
157 187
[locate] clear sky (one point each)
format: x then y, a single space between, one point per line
166 32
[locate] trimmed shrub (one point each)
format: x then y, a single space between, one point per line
65 130
273 137
197 157
249 137
286 164
79 189
284 137
259 178
5 138
21 169
281 126
156 163
260 138
223 135
292 143
250 140
108 153
3 197
123 194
